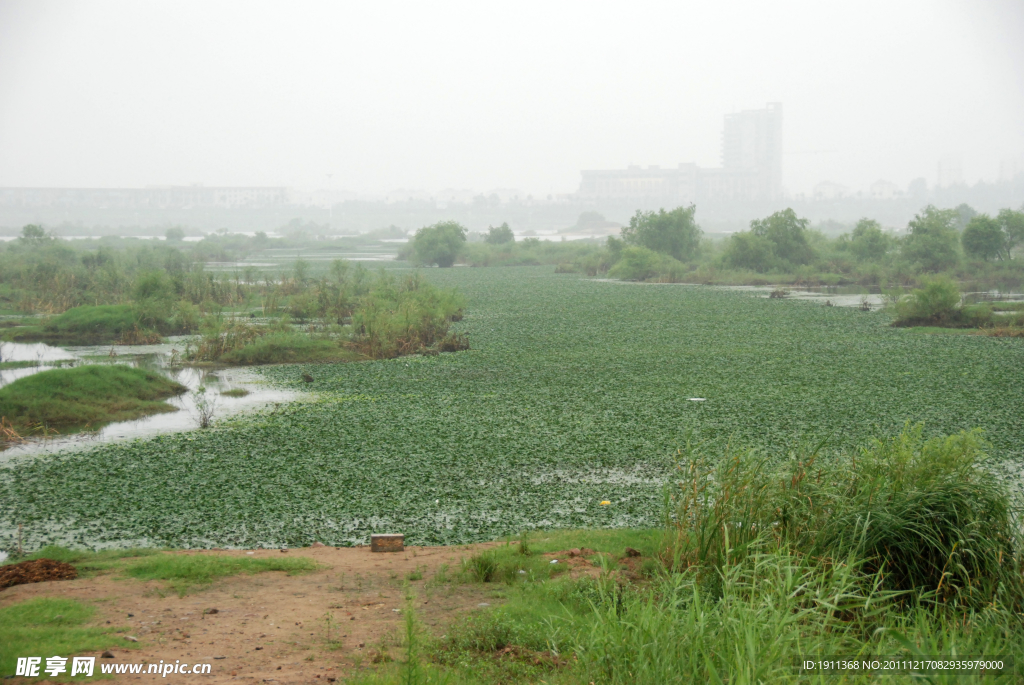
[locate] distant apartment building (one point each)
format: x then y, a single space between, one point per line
170 197
751 168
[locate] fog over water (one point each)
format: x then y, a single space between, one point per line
374 97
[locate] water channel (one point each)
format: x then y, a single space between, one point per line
230 390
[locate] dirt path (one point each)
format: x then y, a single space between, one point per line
272 627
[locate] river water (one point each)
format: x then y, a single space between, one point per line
160 358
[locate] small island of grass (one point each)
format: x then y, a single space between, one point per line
85 397
92 325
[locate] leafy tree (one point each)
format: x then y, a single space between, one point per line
1012 224
964 213
590 218
499 235
933 239
788 235
33 234
301 270
438 244
673 233
983 238
174 234
868 242
749 251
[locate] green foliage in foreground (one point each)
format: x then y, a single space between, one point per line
748 621
185 571
575 391
85 396
46 626
923 516
906 548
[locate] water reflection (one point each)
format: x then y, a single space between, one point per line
229 390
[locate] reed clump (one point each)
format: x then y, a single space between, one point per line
342 320
922 515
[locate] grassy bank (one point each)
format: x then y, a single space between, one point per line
754 623
84 397
905 548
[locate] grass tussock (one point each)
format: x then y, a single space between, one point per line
287 347
84 396
48 626
922 516
187 571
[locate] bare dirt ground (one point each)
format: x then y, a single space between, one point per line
271 627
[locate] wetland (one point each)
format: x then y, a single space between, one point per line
575 391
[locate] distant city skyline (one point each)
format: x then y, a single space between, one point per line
116 93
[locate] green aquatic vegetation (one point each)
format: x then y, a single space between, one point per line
575 391
85 396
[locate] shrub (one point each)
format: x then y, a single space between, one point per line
939 303
639 264
673 233
746 250
499 235
438 244
404 318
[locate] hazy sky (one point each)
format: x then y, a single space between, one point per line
481 95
